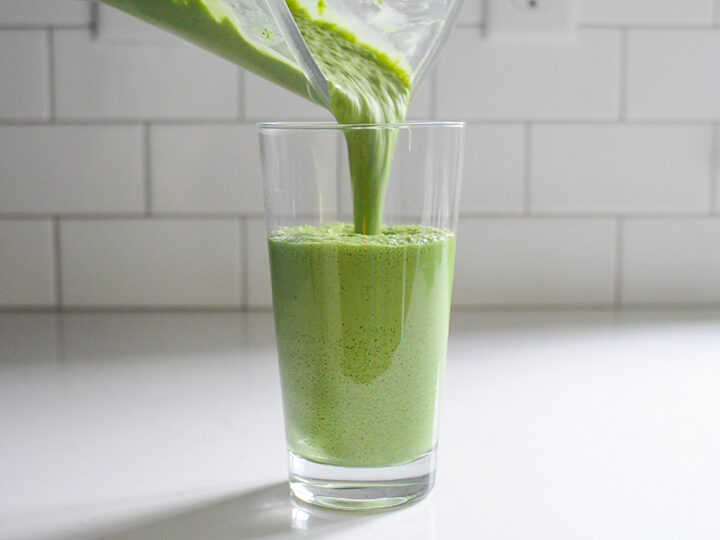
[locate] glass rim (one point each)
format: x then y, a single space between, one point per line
301 126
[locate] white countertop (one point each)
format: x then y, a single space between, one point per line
554 425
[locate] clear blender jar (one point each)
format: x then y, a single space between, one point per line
261 35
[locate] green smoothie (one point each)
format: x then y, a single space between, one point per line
362 325
361 311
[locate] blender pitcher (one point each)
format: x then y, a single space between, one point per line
261 35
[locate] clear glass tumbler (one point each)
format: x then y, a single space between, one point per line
361 320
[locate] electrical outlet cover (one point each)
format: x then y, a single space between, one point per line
523 19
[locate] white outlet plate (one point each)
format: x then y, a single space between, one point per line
529 19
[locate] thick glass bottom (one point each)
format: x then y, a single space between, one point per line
361 488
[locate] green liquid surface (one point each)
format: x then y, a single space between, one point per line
362 325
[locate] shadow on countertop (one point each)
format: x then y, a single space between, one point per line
266 512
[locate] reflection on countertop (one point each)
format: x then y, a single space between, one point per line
555 424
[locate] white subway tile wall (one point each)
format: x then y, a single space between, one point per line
620 168
259 290
673 74
98 80
152 262
471 13
646 12
24 74
264 101
57 169
623 13
205 169
671 261
115 26
496 155
544 262
495 79
26 263
44 12
129 163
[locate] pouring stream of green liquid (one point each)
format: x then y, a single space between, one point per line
366 86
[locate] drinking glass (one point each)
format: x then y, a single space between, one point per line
361 320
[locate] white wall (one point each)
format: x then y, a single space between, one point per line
591 175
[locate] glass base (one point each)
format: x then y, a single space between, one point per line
361 488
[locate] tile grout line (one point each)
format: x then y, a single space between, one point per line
110 122
27 27
94 19
478 308
244 263
51 74
241 95
433 94
120 216
646 306
116 308
623 76
147 170
660 27
57 262
714 163
212 122
34 216
92 25
527 166
619 246
61 341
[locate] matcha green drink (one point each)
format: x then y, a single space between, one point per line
362 326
